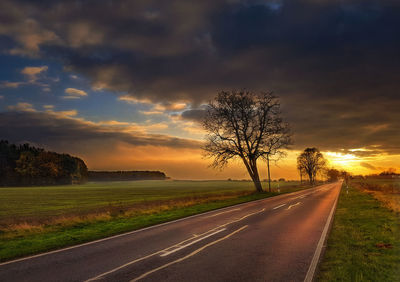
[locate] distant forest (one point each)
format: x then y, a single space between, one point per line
125 175
27 165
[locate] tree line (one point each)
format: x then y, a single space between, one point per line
126 175
27 165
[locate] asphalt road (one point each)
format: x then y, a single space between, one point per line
274 239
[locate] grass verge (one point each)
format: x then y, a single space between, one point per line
364 244
50 237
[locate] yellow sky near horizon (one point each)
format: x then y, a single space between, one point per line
181 163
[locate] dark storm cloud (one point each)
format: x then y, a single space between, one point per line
334 63
194 114
60 132
335 124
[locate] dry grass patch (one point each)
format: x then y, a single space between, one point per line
391 201
386 191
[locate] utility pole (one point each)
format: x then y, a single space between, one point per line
269 175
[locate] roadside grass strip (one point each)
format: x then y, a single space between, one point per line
364 244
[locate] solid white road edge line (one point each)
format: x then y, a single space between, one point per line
314 262
150 227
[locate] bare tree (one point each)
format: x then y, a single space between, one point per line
245 125
310 162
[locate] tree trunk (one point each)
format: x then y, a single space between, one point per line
257 182
253 172
269 175
311 178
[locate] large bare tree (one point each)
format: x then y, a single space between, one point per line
247 126
310 162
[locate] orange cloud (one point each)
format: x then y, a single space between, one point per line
22 107
74 93
33 71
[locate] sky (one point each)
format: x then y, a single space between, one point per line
123 84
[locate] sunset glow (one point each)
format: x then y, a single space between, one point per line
343 160
132 96
199 140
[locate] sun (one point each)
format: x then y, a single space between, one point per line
344 161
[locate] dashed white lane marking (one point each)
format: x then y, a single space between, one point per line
298 203
300 197
305 195
189 255
222 213
145 257
120 267
160 252
239 219
277 207
172 250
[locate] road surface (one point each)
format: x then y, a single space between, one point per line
273 239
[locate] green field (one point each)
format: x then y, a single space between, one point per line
36 219
364 244
33 203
